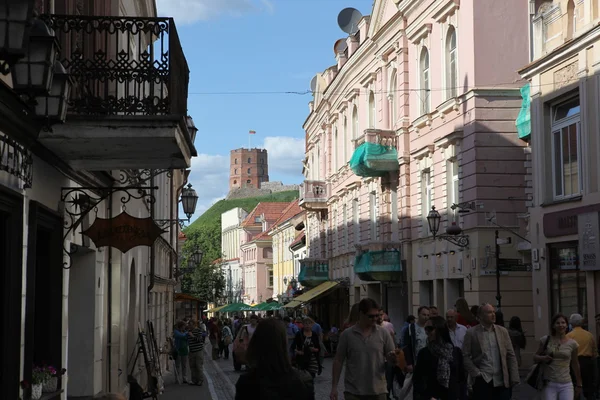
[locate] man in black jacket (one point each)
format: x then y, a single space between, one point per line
415 338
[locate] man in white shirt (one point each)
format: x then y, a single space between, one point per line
457 331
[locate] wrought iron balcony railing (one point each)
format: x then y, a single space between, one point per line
122 65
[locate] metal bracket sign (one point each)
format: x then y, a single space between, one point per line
513 265
16 160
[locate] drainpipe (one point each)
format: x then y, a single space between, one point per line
152 254
173 240
109 306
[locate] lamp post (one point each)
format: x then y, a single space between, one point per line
189 200
15 16
453 232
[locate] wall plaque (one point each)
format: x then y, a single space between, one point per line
589 241
123 232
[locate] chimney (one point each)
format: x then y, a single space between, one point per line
341 59
363 28
352 43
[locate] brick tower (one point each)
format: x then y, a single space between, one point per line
248 168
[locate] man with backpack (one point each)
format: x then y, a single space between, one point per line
196 357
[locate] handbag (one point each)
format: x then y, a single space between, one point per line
535 377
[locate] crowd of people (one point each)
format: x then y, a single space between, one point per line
467 354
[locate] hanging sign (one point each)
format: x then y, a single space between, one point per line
589 241
123 232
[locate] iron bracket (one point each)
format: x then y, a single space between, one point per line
458 240
78 202
170 222
138 177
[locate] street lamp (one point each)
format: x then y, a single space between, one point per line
453 232
189 199
53 106
197 256
15 16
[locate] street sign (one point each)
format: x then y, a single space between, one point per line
503 241
513 265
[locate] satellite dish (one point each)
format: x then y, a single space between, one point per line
313 84
348 20
340 46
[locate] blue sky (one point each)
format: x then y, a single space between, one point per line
252 46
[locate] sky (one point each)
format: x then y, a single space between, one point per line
242 54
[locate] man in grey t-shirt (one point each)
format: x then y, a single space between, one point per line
364 348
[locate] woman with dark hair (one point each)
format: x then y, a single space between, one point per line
271 375
307 346
465 316
352 318
517 336
439 373
558 355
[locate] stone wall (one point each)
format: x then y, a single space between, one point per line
266 189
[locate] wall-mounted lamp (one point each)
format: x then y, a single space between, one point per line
453 232
452 252
426 256
438 255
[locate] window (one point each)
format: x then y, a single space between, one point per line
568 283
572 20
452 189
374 211
270 277
345 146
235 182
392 99
235 161
371 110
235 171
426 195
249 169
249 160
355 123
425 84
248 181
345 227
451 65
257 219
356 220
335 151
566 149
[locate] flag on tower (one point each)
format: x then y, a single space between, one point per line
252 132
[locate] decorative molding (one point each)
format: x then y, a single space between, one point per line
419 33
448 105
423 152
423 121
352 94
446 10
368 79
450 139
565 76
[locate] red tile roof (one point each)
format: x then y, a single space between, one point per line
182 235
291 211
298 239
271 211
262 236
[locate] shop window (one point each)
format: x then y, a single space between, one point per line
568 283
270 277
566 149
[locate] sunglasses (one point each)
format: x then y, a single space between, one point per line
373 316
429 329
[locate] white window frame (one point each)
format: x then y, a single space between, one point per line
355 122
392 98
345 144
345 226
425 80
453 187
426 196
356 219
336 166
372 109
374 211
451 64
556 127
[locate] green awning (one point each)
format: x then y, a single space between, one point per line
267 306
372 159
523 121
236 307
382 266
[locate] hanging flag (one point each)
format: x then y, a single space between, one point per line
252 132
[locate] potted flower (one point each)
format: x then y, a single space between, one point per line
39 376
51 385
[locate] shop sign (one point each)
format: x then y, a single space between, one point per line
123 232
589 242
563 223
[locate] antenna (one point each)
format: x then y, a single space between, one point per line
313 84
348 20
340 46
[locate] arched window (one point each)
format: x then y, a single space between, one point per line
235 171
335 150
572 22
355 123
249 169
318 166
371 110
248 181
451 64
235 182
249 160
235 162
392 99
345 144
425 83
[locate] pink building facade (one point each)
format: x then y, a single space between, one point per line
428 92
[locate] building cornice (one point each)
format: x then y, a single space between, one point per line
414 35
445 9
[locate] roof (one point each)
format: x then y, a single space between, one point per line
290 211
217 261
271 210
262 236
181 235
298 240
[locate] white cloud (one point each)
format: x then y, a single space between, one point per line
189 11
285 155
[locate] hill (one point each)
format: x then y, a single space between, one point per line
213 214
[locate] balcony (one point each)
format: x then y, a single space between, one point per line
313 272
378 262
314 195
375 153
128 105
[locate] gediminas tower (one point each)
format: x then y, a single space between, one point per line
248 168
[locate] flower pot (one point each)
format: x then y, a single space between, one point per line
36 391
51 385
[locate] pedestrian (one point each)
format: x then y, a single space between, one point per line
181 345
415 338
196 356
433 311
308 347
390 367
364 348
214 335
464 315
318 330
291 331
456 330
271 375
517 337
489 358
352 318
587 354
409 321
226 339
439 371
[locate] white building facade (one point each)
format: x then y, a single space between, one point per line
231 232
